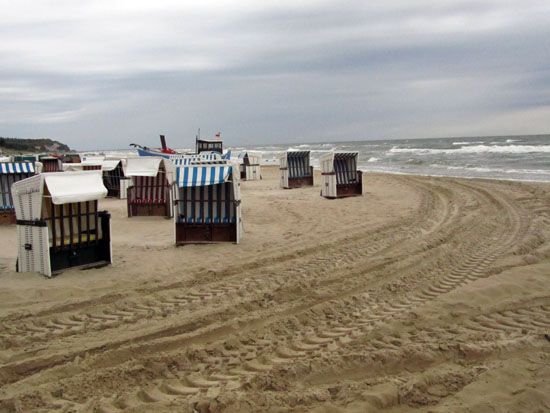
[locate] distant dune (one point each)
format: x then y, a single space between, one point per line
16 145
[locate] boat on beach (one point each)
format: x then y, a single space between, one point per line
205 149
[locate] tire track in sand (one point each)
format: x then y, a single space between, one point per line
259 356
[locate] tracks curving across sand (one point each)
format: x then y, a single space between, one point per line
346 305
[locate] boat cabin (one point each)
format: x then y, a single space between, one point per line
209 145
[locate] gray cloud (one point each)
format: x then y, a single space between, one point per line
102 76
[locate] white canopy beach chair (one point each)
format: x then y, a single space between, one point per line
114 178
59 225
250 167
150 192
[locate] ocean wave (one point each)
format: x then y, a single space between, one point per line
475 149
506 141
373 159
493 170
467 143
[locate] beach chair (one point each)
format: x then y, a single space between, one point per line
71 158
295 169
250 167
207 203
339 175
24 158
150 192
59 225
114 178
51 164
11 172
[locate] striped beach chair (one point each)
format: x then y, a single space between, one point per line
11 172
339 175
207 203
295 169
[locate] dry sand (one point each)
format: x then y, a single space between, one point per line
426 294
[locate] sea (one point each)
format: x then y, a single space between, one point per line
518 158
523 158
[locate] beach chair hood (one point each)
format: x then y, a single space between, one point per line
110 164
16 167
203 175
71 187
149 166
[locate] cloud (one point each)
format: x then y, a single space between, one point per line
104 73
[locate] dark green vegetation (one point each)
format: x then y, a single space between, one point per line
16 145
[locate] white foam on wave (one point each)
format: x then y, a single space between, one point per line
493 170
467 143
373 159
475 149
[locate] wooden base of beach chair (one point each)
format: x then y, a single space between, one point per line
148 210
83 258
87 252
300 182
205 233
7 217
346 190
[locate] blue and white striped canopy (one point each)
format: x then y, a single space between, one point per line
202 175
188 159
182 161
16 167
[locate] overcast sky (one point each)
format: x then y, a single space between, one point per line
101 74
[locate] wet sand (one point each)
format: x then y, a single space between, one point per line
426 294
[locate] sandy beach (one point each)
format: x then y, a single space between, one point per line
426 294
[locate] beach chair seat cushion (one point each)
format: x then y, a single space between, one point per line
67 239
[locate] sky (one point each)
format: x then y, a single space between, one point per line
101 74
